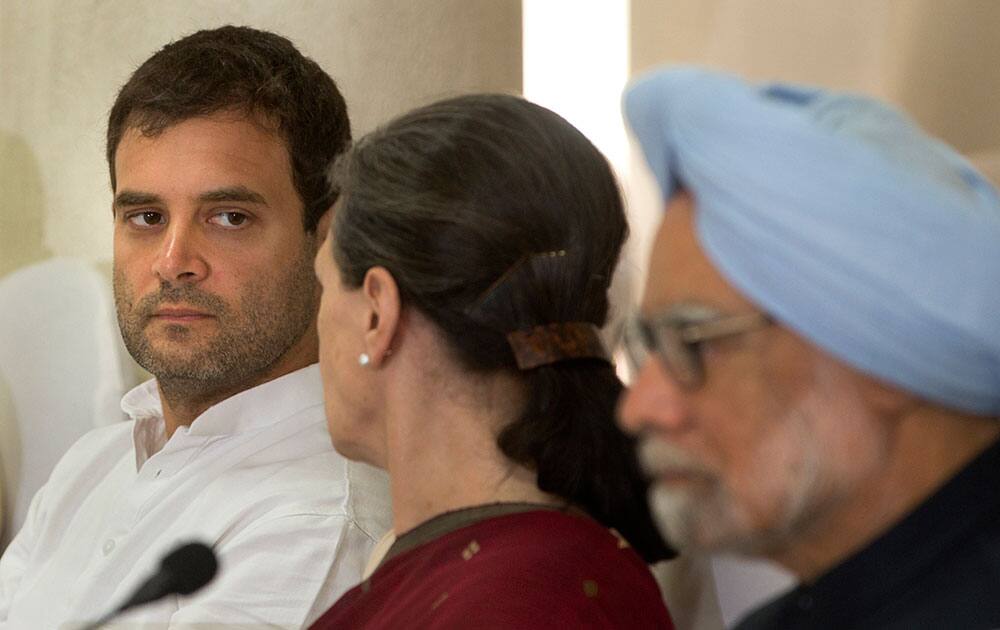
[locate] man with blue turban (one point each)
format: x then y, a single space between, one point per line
823 309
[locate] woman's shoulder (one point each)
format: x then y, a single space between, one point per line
555 534
551 567
532 569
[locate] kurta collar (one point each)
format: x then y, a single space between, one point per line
248 410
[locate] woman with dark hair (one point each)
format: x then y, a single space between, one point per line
465 280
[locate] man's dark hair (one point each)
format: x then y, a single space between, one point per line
252 72
464 202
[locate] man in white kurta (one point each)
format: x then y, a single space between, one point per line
292 521
218 147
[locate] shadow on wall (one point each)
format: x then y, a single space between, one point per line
10 458
22 209
22 224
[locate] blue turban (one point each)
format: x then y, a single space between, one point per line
842 219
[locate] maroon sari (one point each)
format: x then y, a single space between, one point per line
522 569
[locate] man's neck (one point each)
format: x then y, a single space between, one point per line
183 400
932 446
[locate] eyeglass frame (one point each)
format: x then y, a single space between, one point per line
674 339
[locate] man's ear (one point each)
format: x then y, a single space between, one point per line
382 295
887 400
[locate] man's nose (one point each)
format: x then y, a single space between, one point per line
180 258
654 402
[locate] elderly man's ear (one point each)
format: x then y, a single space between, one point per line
323 227
889 402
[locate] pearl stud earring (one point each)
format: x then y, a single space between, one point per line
364 359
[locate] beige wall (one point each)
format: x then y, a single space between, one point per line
22 205
61 64
937 60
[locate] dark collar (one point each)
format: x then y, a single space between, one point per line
448 522
919 547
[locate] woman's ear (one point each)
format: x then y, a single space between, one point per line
380 291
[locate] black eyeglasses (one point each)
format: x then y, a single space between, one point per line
676 335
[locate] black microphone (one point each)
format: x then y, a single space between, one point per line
182 571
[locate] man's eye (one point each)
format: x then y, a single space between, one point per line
145 219
229 219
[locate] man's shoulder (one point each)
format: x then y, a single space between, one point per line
117 432
769 616
960 589
957 589
93 458
297 453
102 445
299 476
318 475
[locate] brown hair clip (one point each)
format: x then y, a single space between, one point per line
497 289
550 343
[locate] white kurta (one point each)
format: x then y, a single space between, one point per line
254 476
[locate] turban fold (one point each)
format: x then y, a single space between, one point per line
842 219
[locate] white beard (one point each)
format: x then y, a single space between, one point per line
706 515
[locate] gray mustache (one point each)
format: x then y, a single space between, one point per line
658 456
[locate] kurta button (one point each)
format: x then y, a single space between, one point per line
109 546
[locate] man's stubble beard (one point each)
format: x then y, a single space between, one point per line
273 314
